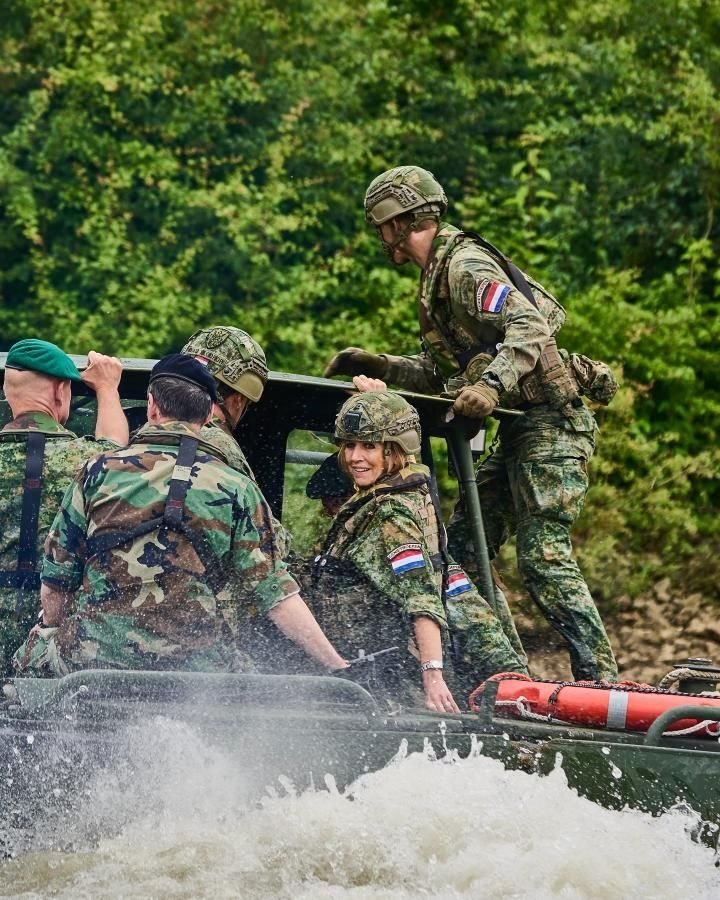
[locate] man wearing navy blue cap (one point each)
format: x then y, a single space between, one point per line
38 458
166 551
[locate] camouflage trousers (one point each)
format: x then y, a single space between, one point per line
534 485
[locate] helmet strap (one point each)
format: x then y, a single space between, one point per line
389 247
226 414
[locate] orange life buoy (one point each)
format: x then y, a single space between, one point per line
594 705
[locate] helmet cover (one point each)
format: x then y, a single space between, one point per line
234 358
379 416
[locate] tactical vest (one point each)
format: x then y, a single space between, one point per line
408 487
25 577
172 518
450 337
355 516
414 488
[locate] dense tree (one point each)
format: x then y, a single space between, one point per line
171 166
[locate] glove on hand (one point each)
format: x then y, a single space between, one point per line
476 401
355 361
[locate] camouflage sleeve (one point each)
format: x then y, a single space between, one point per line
256 555
393 555
232 453
480 291
414 373
64 560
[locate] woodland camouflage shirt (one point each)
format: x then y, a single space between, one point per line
147 602
64 455
217 433
466 299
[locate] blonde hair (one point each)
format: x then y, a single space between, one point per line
395 456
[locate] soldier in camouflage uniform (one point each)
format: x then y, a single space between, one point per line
37 387
383 577
239 367
488 336
166 550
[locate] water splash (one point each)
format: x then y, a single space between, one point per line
190 825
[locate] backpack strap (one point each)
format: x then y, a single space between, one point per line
515 275
25 577
171 519
180 482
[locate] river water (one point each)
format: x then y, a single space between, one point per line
188 824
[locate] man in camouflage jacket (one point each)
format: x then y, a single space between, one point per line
238 364
37 387
488 335
160 553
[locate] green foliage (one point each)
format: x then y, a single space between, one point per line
167 167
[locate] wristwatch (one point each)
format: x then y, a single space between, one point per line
431 664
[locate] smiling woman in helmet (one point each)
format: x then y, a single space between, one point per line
379 579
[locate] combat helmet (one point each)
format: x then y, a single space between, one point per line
379 416
404 189
234 358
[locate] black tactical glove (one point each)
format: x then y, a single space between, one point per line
355 361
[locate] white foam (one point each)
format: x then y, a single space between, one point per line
419 828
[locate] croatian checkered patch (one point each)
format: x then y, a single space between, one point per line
406 557
490 295
457 582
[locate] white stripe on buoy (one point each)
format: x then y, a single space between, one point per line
617 709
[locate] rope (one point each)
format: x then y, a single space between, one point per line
698 726
684 673
500 676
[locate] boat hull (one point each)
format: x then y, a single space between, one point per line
62 738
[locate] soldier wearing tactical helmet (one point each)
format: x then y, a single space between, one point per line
488 334
238 364
383 577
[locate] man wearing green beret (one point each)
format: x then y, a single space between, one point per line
38 458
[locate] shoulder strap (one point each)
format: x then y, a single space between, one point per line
516 276
180 482
26 577
434 321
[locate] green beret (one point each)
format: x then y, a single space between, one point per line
41 356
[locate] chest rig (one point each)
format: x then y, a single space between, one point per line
451 340
414 488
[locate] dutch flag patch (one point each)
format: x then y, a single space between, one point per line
457 582
406 557
490 296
